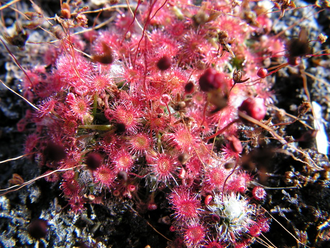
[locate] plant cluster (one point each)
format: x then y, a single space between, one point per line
168 99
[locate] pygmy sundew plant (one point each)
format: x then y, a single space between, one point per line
157 102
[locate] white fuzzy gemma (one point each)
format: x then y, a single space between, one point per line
234 208
235 213
321 136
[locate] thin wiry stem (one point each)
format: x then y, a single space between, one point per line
20 186
26 100
16 158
